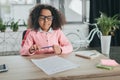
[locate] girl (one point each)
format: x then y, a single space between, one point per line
46 35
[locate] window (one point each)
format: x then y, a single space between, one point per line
74 10
4 9
15 9
22 1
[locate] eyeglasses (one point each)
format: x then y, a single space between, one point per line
43 18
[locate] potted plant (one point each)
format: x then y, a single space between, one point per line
14 25
106 25
2 26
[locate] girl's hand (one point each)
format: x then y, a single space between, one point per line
33 48
57 49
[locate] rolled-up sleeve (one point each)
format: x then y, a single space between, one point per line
64 43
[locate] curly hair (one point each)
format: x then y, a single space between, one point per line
58 17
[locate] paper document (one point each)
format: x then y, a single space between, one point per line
54 64
87 54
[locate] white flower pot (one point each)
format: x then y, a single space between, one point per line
105 45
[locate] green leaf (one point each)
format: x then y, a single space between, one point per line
106 23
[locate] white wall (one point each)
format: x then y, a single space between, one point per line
82 28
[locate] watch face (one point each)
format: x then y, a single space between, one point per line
3 68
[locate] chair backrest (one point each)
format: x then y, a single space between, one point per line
24 32
24 36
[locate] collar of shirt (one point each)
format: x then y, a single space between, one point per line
49 31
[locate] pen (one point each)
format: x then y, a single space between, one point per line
46 47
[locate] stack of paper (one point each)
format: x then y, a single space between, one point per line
54 64
108 64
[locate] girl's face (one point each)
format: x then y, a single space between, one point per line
45 19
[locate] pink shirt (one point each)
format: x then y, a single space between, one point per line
43 39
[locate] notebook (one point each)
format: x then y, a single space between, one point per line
90 54
54 64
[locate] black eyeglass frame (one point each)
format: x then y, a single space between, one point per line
42 17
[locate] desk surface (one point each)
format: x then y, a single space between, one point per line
21 67
114 52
